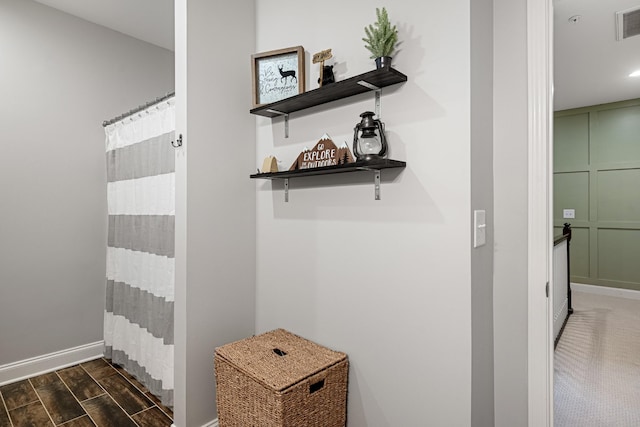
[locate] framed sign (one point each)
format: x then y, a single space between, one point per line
277 75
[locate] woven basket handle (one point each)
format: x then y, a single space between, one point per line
279 352
316 386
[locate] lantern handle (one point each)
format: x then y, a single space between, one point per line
356 129
382 137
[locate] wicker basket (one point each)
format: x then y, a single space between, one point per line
279 379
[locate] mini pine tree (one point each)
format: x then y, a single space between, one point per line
381 38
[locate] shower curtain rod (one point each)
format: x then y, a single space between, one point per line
138 109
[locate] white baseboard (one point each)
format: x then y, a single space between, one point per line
606 291
213 423
38 365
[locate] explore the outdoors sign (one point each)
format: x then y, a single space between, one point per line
324 153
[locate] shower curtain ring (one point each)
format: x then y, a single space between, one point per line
177 143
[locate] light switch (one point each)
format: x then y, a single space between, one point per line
568 213
479 228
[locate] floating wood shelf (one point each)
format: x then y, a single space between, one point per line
374 166
325 170
370 81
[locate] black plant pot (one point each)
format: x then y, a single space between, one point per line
383 61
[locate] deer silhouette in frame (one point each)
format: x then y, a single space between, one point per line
288 73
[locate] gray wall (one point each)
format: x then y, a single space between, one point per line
60 77
510 163
388 282
482 402
215 214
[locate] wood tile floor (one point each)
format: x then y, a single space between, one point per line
94 393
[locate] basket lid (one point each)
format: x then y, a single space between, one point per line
278 359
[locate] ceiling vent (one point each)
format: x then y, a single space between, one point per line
628 23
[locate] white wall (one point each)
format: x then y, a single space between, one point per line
215 212
387 282
60 77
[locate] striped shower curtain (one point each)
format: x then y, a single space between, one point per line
138 319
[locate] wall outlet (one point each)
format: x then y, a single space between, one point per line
568 213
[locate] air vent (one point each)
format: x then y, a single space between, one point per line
628 23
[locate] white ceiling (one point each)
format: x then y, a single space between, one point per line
148 20
591 67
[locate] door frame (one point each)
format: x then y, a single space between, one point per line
540 224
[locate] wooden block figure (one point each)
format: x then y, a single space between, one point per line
270 164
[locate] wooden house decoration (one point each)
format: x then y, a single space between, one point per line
270 164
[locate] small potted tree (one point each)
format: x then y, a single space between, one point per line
382 39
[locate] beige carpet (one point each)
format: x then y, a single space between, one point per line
597 364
